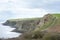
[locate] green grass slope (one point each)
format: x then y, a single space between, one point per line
52 25
56 26
56 15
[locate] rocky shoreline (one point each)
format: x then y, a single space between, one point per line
28 24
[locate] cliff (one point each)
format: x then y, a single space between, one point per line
29 24
23 25
56 26
48 28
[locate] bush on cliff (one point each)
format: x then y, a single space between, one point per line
36 35
51 36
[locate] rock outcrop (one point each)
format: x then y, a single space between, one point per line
23 25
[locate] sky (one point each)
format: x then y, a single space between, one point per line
27 8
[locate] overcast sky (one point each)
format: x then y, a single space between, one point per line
27 8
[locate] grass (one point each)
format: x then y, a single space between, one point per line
51 23
58 18
48 24
56 15
23 19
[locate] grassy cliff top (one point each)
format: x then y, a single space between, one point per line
23 19
56 26
56 15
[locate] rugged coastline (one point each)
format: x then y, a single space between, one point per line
45 28
29 24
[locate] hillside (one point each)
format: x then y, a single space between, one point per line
48 28
56 26
29 24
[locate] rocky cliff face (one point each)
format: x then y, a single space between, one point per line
29 24
23 25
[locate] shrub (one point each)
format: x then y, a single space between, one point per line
36 35
51 36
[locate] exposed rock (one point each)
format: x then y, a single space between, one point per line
23 25
46 21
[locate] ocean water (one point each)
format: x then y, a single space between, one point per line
5 32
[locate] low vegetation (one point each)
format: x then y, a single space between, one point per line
38 35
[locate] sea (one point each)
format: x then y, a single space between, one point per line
5 32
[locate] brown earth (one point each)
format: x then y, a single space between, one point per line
56 27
